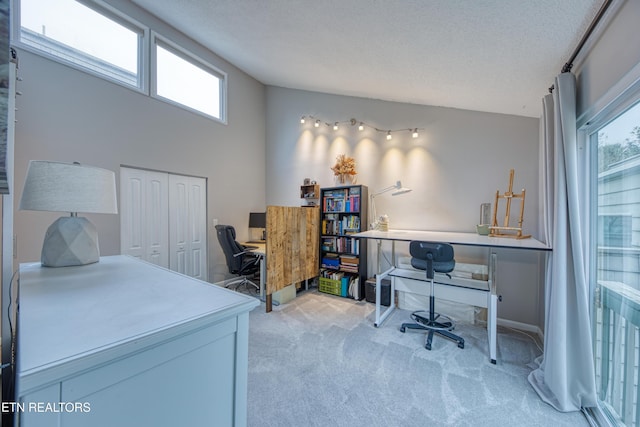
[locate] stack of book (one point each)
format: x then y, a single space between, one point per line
349 263
331 261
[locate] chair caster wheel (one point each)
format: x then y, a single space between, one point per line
461 345
402 329
427 346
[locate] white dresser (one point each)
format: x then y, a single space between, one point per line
126 343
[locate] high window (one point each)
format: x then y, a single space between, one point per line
187 80
93 36
95 39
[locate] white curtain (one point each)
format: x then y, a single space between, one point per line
565 377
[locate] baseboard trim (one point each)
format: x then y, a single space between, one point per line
522 327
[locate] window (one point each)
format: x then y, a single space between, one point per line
618 185
94 39
615 251
92 36
186 80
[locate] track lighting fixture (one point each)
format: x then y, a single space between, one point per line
361 126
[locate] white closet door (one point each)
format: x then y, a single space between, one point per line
132 207
187 225
157 218
144 215
179 227
198 227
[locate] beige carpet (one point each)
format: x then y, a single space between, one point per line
319 361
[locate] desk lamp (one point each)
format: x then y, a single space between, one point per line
399 189
69 187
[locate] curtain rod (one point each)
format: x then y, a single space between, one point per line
567 66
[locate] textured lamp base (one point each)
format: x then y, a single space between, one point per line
70 241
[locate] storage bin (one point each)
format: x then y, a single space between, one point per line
370 291
330 286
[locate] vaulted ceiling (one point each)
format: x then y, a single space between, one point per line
488 55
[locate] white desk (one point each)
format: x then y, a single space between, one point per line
462 293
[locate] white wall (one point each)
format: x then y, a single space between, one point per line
459 161
67 115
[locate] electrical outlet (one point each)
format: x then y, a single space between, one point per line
214 221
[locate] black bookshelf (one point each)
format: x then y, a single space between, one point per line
343 261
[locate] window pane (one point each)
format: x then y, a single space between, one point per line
617 253
185 83
76 33
619 197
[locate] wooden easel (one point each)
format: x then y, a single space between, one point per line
505 230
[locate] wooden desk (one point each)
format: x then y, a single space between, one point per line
454 238
124 337
292 254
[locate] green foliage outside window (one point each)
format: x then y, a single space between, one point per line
612 153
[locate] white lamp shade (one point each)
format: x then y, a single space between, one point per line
69 187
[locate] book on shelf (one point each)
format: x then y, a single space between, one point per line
333 275
329 244
349 269
347 225
334 201
344 287
349 264
354 288
349 261
347 245
329 262
352 204
351 223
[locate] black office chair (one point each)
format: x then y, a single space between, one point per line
240 260
432 257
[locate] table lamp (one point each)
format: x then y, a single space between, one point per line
399 189
69 187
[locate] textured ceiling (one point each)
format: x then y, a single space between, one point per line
488 55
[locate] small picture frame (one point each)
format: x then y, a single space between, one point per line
307 181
